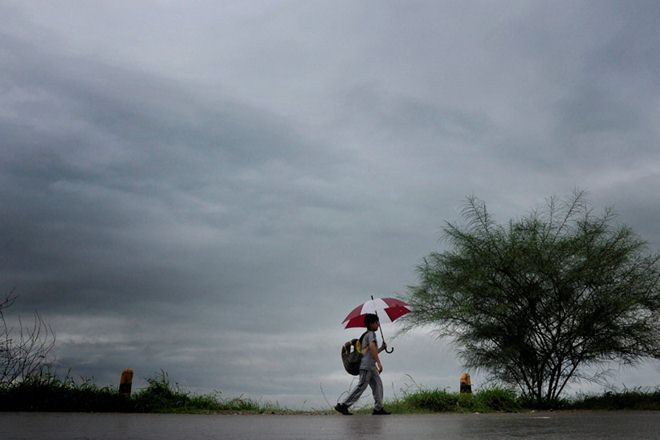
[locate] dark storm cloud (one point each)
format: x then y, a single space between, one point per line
208 189
131 208
114 169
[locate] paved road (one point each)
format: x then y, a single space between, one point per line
563 425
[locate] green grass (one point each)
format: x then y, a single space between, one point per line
631 399
162 396
497 399
437 400
46 392
505 400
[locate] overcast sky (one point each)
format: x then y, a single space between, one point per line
208 188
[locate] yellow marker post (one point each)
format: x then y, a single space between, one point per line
466 385
126 381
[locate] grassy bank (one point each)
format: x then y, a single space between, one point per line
504 400
46 392
635 399
436 401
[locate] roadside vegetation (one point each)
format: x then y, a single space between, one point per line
506 400
436 400
47 392
541 301
634 399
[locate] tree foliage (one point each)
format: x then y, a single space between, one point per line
537 301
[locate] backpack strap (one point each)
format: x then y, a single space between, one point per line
360 341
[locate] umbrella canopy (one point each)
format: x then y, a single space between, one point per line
387 309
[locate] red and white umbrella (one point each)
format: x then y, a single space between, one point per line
387 309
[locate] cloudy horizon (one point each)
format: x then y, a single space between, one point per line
208 188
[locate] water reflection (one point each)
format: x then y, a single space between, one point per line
364 427
536 426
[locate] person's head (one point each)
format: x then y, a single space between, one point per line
371 322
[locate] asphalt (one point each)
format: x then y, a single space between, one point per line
546 426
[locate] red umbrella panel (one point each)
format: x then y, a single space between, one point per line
387 309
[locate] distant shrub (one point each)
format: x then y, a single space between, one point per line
637 399
46 392
498 399
486 400
159 395
467 402
433 400
162 396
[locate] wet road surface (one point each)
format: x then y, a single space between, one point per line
558 425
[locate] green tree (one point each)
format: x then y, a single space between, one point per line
538 300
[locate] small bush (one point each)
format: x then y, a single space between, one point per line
436 400
47 392
433 400
498 399
161 396
467 402
636 399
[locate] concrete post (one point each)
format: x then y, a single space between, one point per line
126 381
466 385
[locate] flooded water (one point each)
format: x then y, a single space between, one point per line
563 425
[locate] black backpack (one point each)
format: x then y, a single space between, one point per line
351 355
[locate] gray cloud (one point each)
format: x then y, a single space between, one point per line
209 189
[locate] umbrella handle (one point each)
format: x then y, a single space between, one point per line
391 349
381 333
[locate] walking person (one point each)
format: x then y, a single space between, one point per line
370 369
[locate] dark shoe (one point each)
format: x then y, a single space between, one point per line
381 412
342 408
